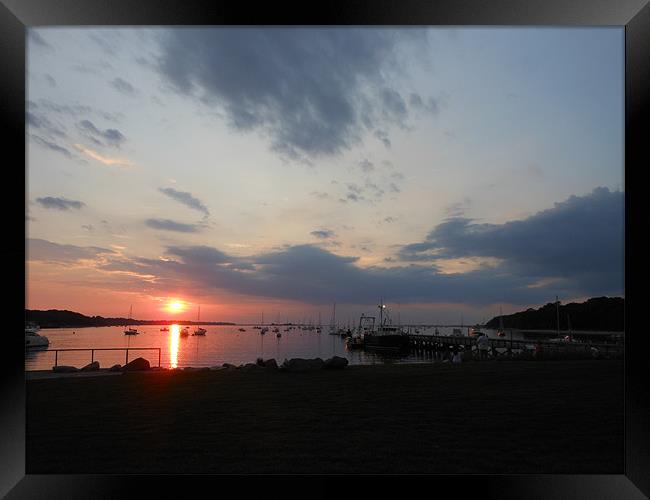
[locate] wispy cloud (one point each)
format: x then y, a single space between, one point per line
59 203
110 136
186 199
124 87
51 145
170 225
106 160
323 233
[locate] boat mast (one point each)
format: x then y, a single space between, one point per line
501 318
557 308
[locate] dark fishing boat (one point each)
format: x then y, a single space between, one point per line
386 335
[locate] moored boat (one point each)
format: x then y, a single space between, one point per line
386 335
129 330
32 337
199 330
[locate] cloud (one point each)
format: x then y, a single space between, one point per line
458 209
382 135
573 249
314 275
51 145
106 160
312 92
320 194
44 106
170 225
123 87
111 136
186 199
59 203
366 165
580 240
323 233
44 124
200 254
431 105
50 79
43 250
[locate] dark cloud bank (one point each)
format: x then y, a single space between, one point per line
578 242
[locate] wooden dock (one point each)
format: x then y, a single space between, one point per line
507 347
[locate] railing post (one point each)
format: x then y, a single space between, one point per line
56 357
159 357
126 362
92 355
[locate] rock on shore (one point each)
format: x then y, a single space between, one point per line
137 364
64 369
302 365
335 363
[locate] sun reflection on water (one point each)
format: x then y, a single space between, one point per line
174 335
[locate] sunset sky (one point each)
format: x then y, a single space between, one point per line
450 171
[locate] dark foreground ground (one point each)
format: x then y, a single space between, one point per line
492 417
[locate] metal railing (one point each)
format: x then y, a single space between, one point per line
92 352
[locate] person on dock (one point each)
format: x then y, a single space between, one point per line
483 345
437 351
455 356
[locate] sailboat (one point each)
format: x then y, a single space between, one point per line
199 330
129 330
333 322
501 332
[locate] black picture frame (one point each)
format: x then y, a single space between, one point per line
634 15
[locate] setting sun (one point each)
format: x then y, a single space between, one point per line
175 306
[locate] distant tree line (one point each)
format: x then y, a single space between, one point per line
55 318
596 314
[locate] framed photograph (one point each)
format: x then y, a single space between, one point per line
375 240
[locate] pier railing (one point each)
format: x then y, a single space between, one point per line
92 352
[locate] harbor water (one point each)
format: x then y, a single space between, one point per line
221 344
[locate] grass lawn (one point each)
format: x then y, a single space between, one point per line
490 417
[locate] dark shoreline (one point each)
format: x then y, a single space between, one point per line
493 417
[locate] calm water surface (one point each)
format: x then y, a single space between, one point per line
221 344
